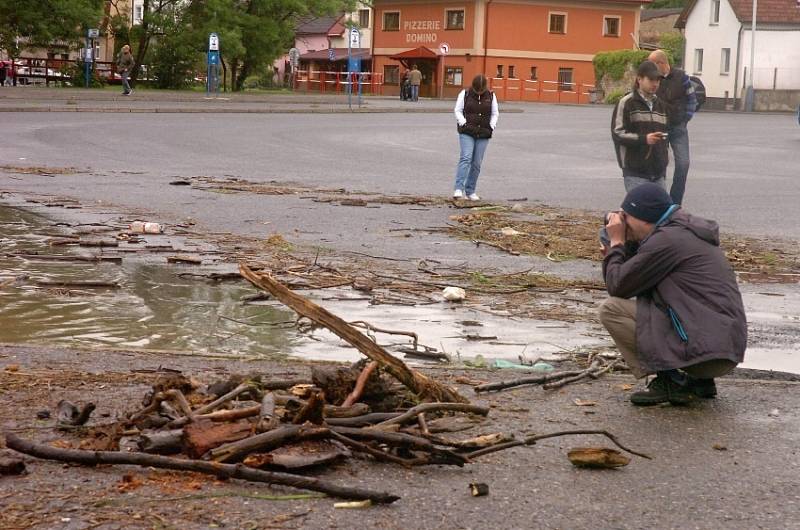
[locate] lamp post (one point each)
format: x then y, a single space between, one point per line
749 99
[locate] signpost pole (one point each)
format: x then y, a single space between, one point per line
86 62
349 73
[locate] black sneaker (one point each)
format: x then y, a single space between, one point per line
662 389
703 388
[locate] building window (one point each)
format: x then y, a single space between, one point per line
714 12
565 79
454 19
611 26
454 75
725 62
499 73
363 18
391 21
511 72
138 14
534 75
391 75
698 60
558 23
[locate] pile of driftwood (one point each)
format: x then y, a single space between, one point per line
265 430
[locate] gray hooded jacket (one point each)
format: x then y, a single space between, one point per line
688 307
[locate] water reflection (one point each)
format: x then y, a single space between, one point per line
152 308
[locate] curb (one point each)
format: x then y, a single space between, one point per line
176 110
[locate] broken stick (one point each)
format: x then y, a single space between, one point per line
94 458
423 386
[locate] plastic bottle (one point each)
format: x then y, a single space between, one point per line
141 227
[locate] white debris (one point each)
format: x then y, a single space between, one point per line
454 294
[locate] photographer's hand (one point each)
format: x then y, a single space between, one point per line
616 228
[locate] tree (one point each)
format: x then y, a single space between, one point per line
37 24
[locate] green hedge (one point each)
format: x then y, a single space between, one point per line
616 63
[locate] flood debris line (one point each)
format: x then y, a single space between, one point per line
553 380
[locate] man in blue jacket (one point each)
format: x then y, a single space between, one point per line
674 309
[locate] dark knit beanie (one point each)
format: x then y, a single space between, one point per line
647 202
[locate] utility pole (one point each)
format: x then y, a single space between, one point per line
750 96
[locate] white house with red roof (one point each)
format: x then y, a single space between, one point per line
718 41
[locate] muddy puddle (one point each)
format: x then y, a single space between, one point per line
143 302
166 307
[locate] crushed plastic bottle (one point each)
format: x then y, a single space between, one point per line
141 227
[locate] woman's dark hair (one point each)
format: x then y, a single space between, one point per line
479 83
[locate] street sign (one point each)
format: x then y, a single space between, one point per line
354 64
444 48
331 54
213 42
355 38
92 33
294 57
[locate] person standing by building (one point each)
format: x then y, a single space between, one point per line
476 116
639 131
415 80
124 66
674 306
677 93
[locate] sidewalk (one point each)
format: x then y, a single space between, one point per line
35 99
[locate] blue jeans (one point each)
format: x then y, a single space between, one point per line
679 140
469 163
414 92
126 88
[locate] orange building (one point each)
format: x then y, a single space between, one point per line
530 49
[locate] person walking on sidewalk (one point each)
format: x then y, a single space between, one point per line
638 128
476 116
414 80
677 93
675 309
124 66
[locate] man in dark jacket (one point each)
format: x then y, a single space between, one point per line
677 94
687 323
638 128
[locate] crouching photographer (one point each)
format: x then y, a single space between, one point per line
674 309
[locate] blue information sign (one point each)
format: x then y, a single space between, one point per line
331 54
354 64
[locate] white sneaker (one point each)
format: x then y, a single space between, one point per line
473 197
458 194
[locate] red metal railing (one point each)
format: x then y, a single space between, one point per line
337 82
537 90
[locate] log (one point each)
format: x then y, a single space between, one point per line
242 388
529 380
76 284
162 442
312 411
201 437
56 257
236 451
267 419
411 414
220 416
407 441
362 421
361 382
94 458
426 388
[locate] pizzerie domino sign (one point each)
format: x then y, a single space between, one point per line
422 31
